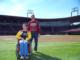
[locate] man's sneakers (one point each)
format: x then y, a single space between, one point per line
35 50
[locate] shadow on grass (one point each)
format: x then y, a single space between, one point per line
41 56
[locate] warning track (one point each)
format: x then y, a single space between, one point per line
49 38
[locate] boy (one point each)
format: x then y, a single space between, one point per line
23 37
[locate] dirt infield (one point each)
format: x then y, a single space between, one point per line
49 38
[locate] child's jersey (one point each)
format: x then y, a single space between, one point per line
23 34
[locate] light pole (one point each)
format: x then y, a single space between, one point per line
76 9
30 12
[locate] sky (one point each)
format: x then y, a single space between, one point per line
41 8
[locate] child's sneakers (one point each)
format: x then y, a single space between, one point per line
21 57
26 57
29 54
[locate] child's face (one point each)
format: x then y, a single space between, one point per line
24 27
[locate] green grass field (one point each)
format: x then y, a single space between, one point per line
46 51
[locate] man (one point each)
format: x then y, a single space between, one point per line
34 28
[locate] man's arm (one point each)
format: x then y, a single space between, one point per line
39 29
